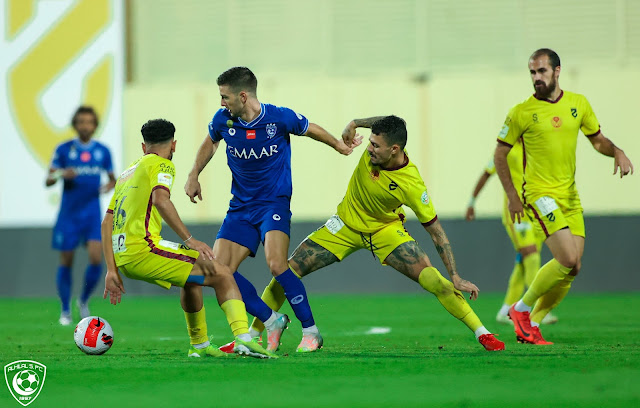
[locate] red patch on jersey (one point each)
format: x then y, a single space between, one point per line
251 134
374 174
556 122
85 157
91 334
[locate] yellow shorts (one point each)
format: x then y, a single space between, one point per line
549 214
168 263
342 241
522 235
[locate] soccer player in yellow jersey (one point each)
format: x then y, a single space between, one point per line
132 244
547 123
523 236
371 217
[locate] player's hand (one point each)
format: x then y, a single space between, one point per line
516 210
68 174
193 189
113 287
349 133
342 147
204 249
622 162
471 214
466 286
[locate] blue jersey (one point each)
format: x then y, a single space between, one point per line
81 194
259 152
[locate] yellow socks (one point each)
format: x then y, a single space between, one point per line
548 277
531 265
274 297
236 314
452 300
516 285
551 299
197 326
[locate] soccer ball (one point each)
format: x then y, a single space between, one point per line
27 381
93 335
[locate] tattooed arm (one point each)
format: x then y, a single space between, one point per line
349 132
443 247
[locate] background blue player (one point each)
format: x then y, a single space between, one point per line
79 163
257 137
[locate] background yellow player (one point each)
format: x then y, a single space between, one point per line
524 238
131 242
548 124
371 217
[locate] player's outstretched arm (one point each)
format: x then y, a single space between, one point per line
471 212
443 246
317 132
113 285
161 199
349 133
516 210
205 152
607 148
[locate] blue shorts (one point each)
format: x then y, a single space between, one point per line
69 233
247 224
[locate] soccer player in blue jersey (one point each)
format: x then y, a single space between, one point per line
80 163
257 138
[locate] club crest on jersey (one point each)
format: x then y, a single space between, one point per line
374 174
97 154
271 130
556 122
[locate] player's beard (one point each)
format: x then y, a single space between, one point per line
545 90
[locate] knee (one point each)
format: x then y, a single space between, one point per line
277 266
66 259
431 280
570 260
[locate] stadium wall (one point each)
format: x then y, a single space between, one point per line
483 253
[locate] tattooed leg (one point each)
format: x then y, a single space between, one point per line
309 257
408 259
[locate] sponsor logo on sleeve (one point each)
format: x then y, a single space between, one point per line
165 178
503 131
425 198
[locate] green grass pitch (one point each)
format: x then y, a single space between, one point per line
427 359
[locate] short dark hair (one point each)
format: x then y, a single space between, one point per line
554 59
239 79
157 131
84 109
393 129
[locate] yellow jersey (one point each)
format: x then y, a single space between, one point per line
136 221
549 132
375 196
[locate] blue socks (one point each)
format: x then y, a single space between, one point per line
254 305
297 297
91 277
63 281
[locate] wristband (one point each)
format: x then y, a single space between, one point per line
185 241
